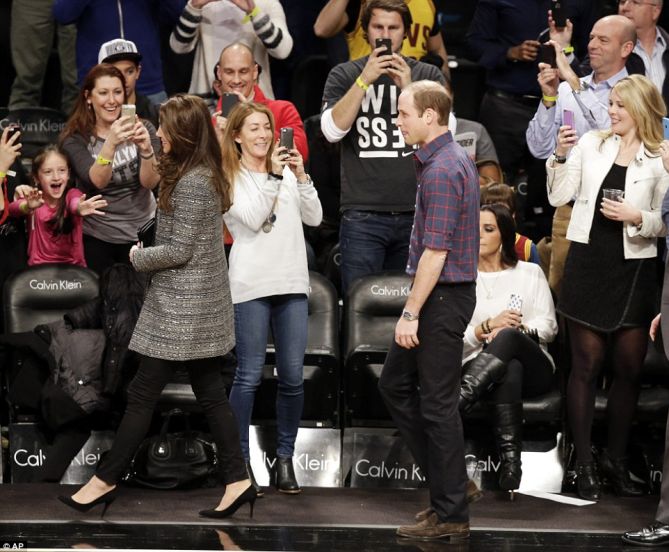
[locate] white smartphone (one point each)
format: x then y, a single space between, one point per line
128 110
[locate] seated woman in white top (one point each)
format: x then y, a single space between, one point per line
504 356
269 280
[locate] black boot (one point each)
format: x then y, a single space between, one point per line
587 481
482 374
508 435
617 472
285 476
249 471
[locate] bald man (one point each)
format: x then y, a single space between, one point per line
611 42
238 74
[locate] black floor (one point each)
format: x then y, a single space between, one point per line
318 519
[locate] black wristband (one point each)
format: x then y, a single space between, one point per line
277 176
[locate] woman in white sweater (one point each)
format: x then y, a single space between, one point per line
269 279
504 356
609 290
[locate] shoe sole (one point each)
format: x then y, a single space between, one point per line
646 544
298 491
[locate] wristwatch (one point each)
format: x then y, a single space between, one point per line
409 316
559 158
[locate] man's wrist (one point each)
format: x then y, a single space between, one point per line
410 316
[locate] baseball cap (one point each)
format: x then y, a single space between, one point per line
118 49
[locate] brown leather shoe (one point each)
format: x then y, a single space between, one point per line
474 494
431 528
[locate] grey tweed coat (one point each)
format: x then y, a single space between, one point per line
187 312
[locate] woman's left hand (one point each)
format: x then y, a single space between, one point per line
621 211
296 164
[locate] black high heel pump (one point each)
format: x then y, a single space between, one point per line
105 499
249 495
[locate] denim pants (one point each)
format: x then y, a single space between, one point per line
373 241
288 316
421 388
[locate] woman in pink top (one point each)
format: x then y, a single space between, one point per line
55 211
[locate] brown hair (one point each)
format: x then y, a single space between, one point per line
399 6
507 232
496 192
231 149
433 95
186 124
82 118
61 223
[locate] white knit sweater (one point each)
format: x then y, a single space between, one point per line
272 263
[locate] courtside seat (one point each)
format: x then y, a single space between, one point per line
371 309
321 362
40 295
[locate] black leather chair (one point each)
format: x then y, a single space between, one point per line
40 126
39 295
371 310
321 362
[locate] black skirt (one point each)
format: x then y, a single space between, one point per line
600 288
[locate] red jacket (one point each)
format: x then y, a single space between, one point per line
285 115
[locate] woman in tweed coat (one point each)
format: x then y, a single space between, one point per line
187 317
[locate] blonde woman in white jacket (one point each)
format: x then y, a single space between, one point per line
609 289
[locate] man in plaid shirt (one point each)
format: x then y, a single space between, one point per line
420 382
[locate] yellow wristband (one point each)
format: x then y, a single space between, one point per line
102 160
2 175
23 207
568 50
549 98
361 83
253 13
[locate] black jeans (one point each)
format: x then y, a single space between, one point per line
143 393
421 386
101 254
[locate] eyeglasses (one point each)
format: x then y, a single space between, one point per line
636 3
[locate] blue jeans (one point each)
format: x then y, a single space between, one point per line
288 316
372 241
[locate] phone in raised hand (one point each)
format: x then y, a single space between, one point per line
568 118
128 110
388 45
286 138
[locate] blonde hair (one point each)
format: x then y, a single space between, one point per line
230 149
645 104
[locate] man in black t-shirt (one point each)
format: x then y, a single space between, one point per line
378 182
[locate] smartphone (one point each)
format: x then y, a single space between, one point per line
665 125
568 118
515 302
128 110
387 43
547 55
558 12
286 138
13 129
228 101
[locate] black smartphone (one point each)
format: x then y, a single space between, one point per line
13 129
228 101
547 55
388 45
286 138
558 13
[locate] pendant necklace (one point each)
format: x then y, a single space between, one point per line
490 290
271 218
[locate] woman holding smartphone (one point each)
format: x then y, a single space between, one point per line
114 156
505 357
269 281
617 179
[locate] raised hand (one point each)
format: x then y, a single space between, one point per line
296 164
279 159
90 206
121 130
400 71
527 51
34 199
566 140
377 64
10 149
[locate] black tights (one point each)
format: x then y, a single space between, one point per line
588 349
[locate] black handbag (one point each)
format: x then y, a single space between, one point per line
147 233
185 459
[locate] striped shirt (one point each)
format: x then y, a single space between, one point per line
447 209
